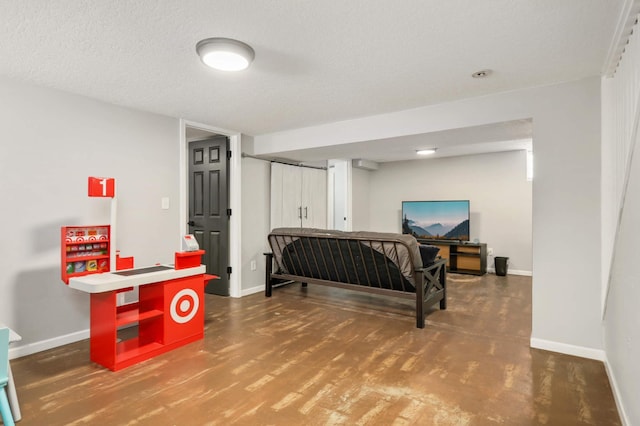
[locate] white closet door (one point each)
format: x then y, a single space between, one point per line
298 197
314 198
291 196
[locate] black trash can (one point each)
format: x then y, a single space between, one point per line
501 265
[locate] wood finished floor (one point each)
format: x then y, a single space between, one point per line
322 356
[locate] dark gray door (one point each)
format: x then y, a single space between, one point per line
208 203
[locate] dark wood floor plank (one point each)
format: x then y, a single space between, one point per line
324 356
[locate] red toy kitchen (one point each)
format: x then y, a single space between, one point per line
169 312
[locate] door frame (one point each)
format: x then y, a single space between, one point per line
346 184
235 197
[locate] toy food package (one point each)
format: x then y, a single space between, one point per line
79 266
103 265
92 265
80 235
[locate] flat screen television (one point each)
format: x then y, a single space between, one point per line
436 220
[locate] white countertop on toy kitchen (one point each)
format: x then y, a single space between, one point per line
110 281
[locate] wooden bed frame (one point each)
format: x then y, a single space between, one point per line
380 263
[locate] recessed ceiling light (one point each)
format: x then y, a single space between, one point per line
225 54
428 151
481 74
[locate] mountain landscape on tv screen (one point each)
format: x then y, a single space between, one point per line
409 227
460 232
436 230
416 230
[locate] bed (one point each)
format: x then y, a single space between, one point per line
381 263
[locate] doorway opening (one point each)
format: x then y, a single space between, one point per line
209 197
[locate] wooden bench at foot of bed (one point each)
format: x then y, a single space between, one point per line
373 262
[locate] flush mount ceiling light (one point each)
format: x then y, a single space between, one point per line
225 54
481 74
428 151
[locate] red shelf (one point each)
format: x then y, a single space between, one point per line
80 274
133 316
169 314
130 349
81 258
73 243
91 235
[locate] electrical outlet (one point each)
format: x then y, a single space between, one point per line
253 265
490 251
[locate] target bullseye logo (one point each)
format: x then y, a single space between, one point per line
184 305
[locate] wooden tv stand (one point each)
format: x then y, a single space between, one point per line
462 258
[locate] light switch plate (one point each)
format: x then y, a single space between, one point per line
165 203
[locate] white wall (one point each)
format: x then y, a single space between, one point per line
566 192
495 184
255 222
622 318
620 227
360 199
51 143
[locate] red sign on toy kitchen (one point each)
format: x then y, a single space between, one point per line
102 187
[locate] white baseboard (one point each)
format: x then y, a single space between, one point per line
16 351
252 290
512 272
564 348
616 393
43 345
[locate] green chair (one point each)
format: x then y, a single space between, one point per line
5 410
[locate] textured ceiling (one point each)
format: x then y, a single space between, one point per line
316 61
